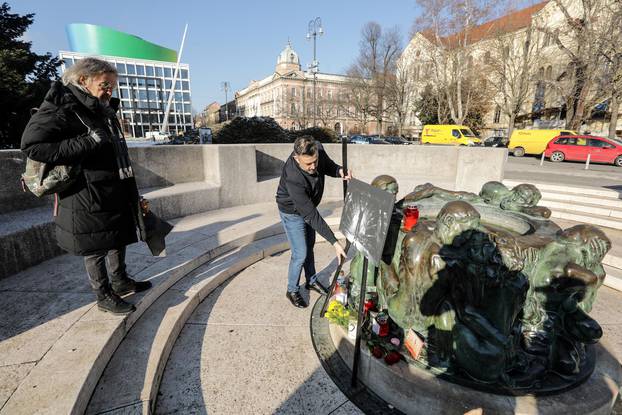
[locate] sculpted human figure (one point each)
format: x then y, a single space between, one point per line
422 298
564 278
521 198
427 190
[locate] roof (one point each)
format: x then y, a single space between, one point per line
505 24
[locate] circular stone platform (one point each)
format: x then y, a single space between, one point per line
415 391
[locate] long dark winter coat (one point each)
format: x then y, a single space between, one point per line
98 212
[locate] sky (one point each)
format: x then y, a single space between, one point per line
226 41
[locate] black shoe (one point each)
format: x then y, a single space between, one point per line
317 287
112 303
127 285
296 299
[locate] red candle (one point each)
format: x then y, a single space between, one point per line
411 216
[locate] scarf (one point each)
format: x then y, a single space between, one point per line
114 130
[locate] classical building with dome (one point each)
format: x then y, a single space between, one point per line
287 96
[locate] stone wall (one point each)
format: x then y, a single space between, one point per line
184 180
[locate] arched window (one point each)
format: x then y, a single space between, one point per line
549 72
541 73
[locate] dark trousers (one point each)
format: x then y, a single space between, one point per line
98 271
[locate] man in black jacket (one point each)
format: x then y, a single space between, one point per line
300 191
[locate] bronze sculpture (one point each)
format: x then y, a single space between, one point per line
497 308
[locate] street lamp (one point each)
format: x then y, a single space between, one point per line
225 87
314 29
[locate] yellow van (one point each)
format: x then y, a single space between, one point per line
449 134
533 141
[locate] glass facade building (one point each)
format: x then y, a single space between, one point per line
144 81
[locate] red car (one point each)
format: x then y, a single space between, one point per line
577 147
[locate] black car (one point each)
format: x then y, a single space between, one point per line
496 141
397 140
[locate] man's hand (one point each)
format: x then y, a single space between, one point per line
348 177
341 254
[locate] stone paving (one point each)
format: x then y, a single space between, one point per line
247 350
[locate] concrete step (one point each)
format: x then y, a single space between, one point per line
581 207
27 238
613 278
592 219
580 190
570 197
132 377
77 358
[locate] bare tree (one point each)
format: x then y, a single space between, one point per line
448 25
612 53
400 95
512 62
582 39
378 54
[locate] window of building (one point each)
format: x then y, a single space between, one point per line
178 96
149 70
185 85
125 93
309 93
178 84
158 71
131 69
140 69
186 97
123 81
120 68
293 91
541 73
141 82
168 73
167 84
151 82
549 72
179 107
142 95
68 63
184 74
152 95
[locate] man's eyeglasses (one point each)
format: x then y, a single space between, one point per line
105 86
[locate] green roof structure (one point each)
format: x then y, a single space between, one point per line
101 40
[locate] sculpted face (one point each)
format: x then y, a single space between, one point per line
386 182
589 242
454 219
492 192
521 196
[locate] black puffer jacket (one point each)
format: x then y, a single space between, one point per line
98 212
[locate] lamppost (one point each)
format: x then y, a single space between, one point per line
314 29
225 87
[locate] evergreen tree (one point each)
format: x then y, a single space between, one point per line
25 76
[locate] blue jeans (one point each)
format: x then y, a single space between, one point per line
301 237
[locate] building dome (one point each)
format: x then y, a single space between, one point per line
287 60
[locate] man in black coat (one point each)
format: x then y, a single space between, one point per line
97 216
299 193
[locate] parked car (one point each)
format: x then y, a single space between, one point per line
533 141
397 140
359 139
496 141
448 134
577 148
377 140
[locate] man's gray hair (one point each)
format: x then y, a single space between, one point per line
87 68
305 145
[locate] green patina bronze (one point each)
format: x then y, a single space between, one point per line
498 308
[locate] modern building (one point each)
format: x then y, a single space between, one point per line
145 81
287 96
